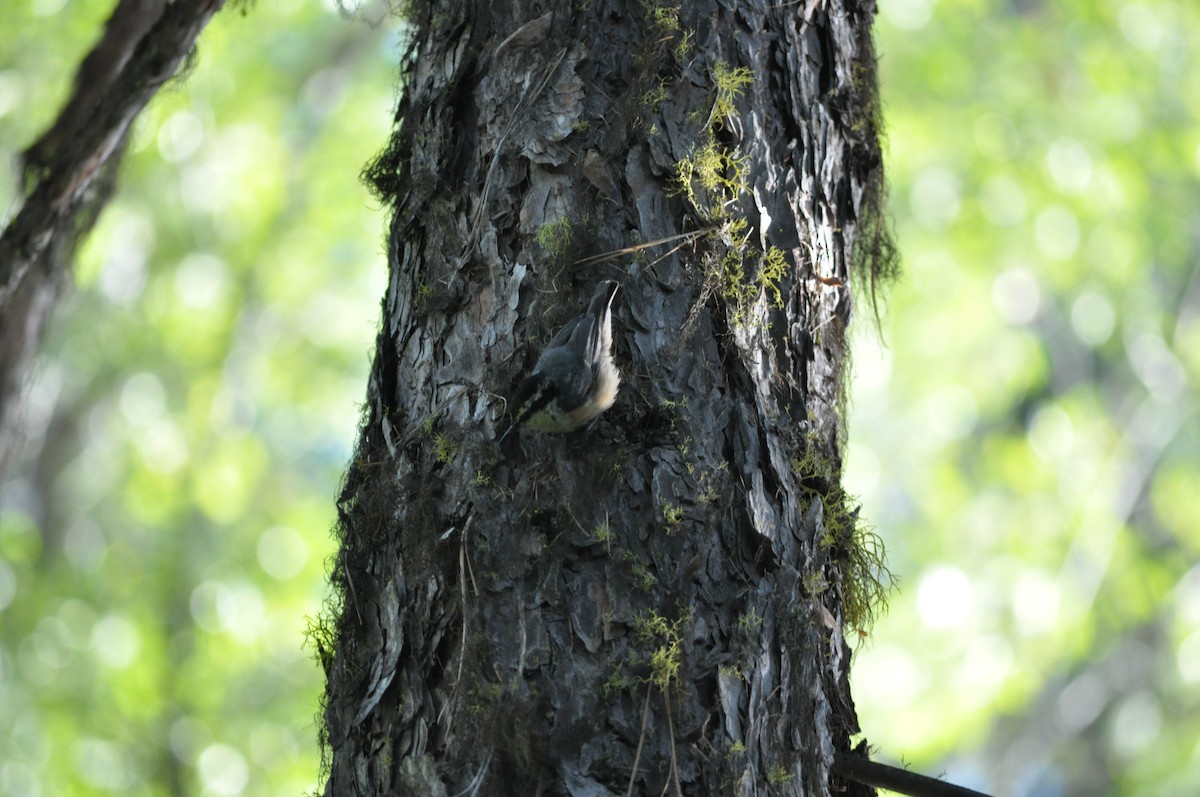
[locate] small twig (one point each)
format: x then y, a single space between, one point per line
671 737
641 740
464 558
629 250
477 781
350 585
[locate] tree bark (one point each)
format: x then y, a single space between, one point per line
657 603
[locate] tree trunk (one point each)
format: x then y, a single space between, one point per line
656 603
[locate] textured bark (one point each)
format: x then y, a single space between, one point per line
508 618
70 172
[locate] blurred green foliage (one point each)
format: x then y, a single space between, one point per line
1025 436
168 531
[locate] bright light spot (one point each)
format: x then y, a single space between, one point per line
241 610
1069 164
1141 27
11 91
1017 296
1093 318
1051 434
1187 659
201 279
205 184
180 136
908 14
48 8
950 413
1056 232
187 735
1081 702
1187 597
945 598
271 743
164 447
987 662
1002 200
935 197
1156 366
236 608
1035 599
102 764
116 641
282 552
123 273
331 320
888 677
20 777
872 365
142 399
862 469
1135 725
223 769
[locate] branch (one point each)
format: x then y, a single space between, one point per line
861 769
66 162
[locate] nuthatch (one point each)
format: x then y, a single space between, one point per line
575 379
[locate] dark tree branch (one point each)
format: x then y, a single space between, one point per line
861 769
70 172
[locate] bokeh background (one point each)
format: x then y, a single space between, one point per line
1024 434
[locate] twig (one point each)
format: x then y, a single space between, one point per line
629 250
671 737
641 740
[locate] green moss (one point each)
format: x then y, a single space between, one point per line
712 178
666 657
662 16
617 681
655 96
849 542
750 621
320 634
555 237
729 84
644 577
683 47
443 449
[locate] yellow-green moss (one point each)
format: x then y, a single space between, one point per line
729 84
554 237
666 658
849 541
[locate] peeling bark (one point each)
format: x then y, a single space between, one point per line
654 604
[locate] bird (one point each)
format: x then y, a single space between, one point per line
576 378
